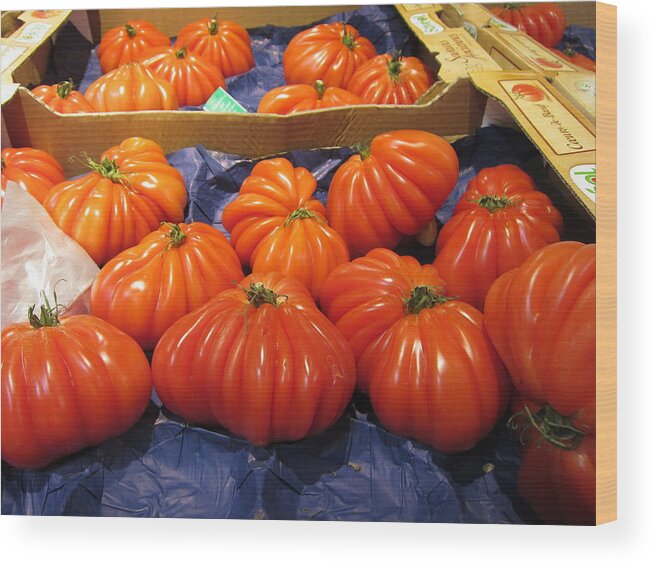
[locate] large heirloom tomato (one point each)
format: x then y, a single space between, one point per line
424 360
63 99
129 88
327 52
126 43
541 319
260 360
276 225
391 189
126 197
388 79
67 384
172 271
571 55
194 78
500 220
224 43
34 170
293 98
543 21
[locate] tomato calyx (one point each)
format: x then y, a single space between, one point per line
64 88
258 294
395 66
107 168
181 53
513 5
493 203
213 26
131 31
49 316
422 297
176 236
320 87
552 426
300 214
363 150
348 39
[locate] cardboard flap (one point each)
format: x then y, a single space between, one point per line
561 133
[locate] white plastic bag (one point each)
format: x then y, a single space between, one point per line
38 256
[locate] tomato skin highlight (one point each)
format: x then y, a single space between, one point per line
541 318
432 375
148 287
125 43
395 189
222 42
500 220
268 372
386 79
543 21
34 170
327 52
109 211
68 387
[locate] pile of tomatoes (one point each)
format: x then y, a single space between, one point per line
504 315
325 66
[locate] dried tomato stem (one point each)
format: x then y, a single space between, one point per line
181 53
347 38
49 315
299 214
258 295
131 31
395 66
176 236
214 26
554 427
320 87
494 203
106 168
64 89
363 150
424 296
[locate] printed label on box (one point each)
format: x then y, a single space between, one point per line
221 101
470 28
538 55
457 51
44 14
553 121
426 24
585 177
33 32
500 24
8 54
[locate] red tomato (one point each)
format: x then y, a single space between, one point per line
194 78
560 484
126 43
388 79
543 21
224 43
34 170
391 189
260 360
424 360
294 98
276 225
541 319
572 56
500 220
131 87
172 271
67 385
126 197
63 99
528 92
327 52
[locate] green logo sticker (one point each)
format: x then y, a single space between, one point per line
426 24
221 101
585 177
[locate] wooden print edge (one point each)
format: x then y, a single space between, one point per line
606 213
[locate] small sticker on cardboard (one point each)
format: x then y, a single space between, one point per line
9 54
470 28
33 33
500 24
585 177
426 24
221 101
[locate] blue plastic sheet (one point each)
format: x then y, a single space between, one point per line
356 470
581 39
382 25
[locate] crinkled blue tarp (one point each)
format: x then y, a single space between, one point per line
382 25
582 39
354 471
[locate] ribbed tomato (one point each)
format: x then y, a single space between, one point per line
276 225
424 360
293 98
224 43
67 384
260 360
126 197
172 271
131 87
543 21
327 52
390 79
571 55
500 220
63 99
126 43
194 78
391 189
541 319
34 170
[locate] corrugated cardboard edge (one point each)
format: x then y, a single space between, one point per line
606 263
